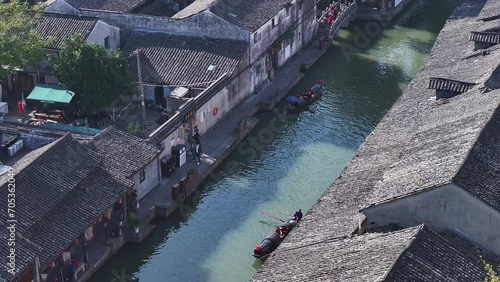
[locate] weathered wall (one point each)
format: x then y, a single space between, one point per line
103 30
202 24
152 179
172 140
206 116
447 207
293 27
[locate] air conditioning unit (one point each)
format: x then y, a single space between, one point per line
12 150
19 145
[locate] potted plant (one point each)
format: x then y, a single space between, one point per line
134 221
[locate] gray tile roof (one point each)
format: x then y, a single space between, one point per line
80 208
490 10
480 174
194 8
123 154
61 190
6 126
441 257
58 27
247 14
119 6
181 60
413 254
420 144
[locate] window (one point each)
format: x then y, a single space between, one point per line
274 23
106 42
233 89
300 7
142 176
41 79
257 69
256 37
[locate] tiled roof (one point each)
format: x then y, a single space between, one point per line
413 254
40 130
480 174
86 202
119 6
61 190
180 60
123 154
490 10
441 257
58 27
247 14
194 8
421 143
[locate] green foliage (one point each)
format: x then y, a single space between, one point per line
133 127
492 275
99 75
134 221
20 45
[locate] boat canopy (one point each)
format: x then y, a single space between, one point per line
292 99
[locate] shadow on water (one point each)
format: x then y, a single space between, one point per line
212 240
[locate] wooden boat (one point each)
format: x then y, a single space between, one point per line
303 100
269 244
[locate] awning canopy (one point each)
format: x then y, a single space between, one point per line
51 94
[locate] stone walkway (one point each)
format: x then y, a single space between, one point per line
222 136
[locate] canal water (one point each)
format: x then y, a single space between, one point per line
213 237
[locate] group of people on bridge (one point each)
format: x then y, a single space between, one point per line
332 12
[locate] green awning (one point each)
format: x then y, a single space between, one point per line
51 94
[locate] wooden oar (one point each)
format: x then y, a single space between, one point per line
270 215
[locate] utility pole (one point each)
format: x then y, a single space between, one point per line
143 98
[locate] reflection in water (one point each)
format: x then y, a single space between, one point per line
214 242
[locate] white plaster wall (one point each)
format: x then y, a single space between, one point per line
103 30
61 6
205 118
447 207
168 143
202 24
268 33
151 181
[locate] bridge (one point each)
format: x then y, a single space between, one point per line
329 32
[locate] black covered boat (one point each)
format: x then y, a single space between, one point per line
269 244
303 100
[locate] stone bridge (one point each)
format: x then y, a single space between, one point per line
332 31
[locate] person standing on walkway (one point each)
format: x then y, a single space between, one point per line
197 145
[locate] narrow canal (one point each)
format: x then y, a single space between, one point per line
214 238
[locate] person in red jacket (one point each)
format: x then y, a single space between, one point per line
330 20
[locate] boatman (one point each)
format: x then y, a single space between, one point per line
298 215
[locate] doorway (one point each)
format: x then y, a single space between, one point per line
159 98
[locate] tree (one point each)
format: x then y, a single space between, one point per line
98 75
492 275
20 44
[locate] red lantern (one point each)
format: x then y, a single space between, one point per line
75 242
106 224
99 218
120 200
